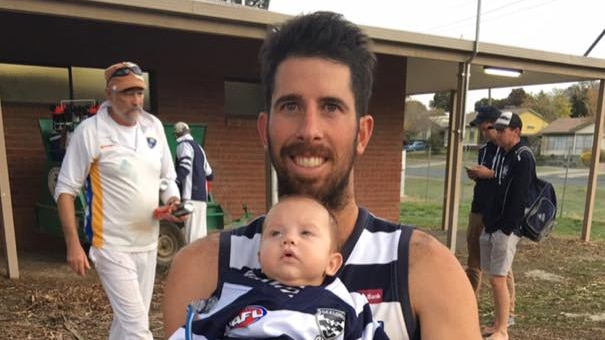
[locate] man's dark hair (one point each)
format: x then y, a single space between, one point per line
326 35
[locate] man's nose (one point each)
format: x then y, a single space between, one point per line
311 126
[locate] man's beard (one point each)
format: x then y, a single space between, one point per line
130 116
331 191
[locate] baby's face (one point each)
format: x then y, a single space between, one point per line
296 246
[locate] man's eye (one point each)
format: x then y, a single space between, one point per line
131 93
290 106
331 107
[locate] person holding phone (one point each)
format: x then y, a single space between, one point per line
489 158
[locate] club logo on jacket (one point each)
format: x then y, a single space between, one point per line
247 316
331 323
151 142
505 171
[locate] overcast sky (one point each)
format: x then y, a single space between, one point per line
563 26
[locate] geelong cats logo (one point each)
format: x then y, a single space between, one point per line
331 323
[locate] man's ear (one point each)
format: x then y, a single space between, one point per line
366 127
262 126
334 264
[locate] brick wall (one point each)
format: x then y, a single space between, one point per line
377 176
26 168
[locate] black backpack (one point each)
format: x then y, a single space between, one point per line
541 206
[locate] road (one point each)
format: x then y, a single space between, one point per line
556 176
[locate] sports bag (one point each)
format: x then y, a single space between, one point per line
541 207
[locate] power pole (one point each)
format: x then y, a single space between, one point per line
594 43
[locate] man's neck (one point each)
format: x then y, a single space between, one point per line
346 219
512 146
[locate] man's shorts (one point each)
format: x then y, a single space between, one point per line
497 252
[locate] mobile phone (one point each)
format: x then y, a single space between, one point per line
185 208
468 167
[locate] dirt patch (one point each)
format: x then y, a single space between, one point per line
51 302
555 278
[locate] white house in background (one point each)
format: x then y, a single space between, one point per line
568 136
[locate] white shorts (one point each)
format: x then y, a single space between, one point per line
497 252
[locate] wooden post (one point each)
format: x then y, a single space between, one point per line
594 164
10 245
447 183
455 155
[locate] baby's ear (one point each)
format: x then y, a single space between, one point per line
334 264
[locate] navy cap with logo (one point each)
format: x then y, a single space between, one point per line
508 120
487 113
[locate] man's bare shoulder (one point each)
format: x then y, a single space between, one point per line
440 293
203 248
427 252
424 247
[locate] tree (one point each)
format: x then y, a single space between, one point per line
416 119
578 97
516 97
592 96
551 105
442 100
499 103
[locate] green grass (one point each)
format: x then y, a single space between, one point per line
423 207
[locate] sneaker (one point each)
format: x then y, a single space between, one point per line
488 331
511 321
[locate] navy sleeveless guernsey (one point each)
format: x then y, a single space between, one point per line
376 259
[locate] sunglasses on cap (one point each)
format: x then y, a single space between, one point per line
124 71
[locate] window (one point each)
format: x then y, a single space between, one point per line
243 99
583 143
42 84
559 144
33 84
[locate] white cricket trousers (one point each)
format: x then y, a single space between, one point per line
128 279
195 226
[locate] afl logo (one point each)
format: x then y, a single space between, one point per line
248 316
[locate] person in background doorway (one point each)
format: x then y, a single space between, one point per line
484 175
122 155
192 175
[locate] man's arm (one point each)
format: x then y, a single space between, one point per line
193 275
441 295
76 256
184 162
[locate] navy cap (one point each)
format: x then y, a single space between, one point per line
486 114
